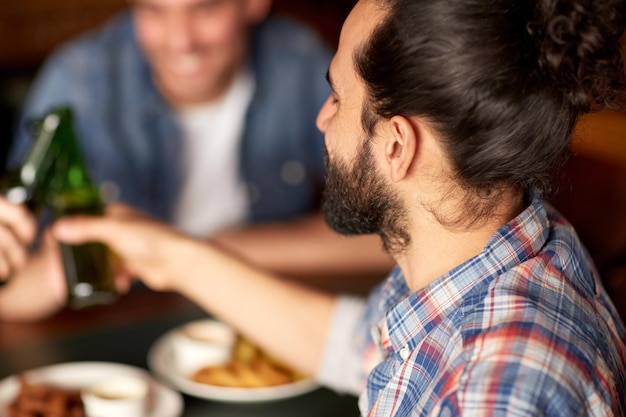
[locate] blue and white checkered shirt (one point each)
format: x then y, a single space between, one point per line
525 328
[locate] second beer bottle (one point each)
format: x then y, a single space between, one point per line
70 191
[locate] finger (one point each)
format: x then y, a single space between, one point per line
14 253
123 281
123 211
51 258
123 277
5 269
82 229
19 219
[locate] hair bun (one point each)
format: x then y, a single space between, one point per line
579 49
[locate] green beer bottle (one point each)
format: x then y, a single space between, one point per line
87 267
26 184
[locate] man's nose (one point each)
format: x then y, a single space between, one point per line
324 115
180 34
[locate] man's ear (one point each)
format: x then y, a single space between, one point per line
401 147
257 10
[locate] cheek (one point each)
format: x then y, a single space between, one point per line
219 30
150 33
343 139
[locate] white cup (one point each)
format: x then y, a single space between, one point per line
202 343
123 396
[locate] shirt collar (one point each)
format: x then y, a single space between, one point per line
414 316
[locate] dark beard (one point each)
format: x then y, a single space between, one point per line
357 201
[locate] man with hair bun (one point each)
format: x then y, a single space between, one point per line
443 129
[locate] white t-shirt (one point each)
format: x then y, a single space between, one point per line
214 195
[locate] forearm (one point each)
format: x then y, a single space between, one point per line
288 320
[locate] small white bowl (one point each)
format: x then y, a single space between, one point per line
202 343
123 396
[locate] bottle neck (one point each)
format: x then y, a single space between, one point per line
71 187
35 161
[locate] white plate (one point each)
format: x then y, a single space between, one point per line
77 375
160 362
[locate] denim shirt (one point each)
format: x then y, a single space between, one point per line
129 136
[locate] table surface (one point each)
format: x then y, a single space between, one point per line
123 333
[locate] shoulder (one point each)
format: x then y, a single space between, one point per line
279 40
538 344
90 70
524 366
289 61
290 32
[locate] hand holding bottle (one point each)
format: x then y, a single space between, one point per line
18 228
70 191
53 176
149 249
37 289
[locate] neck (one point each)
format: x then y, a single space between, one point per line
182 102
436 249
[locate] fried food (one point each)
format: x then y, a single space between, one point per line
40 400
249 367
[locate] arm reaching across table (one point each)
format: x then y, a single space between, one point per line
287 320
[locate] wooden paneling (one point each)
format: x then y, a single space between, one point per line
591 194
602 136
30 29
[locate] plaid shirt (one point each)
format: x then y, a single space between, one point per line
522 329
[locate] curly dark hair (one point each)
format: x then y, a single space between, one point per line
502 81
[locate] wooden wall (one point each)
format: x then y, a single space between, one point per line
30 29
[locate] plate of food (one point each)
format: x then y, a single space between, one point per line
248 375
60 387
